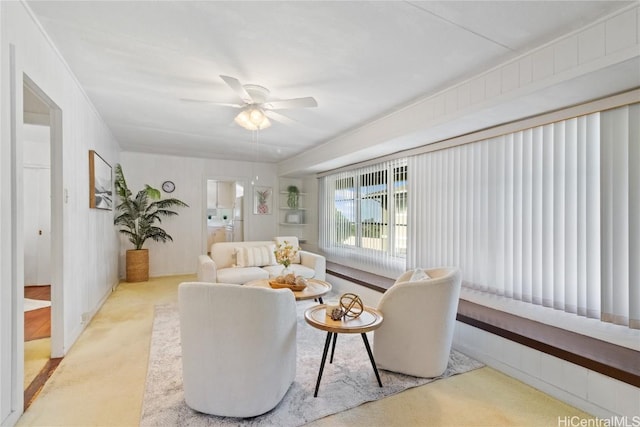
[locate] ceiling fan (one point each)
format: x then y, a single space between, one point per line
256 108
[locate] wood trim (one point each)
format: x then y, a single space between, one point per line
92 179
606 358
38 382
359 277
609 359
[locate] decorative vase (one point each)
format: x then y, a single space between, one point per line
137 265
286 270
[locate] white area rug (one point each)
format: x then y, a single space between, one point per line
34 304
347 383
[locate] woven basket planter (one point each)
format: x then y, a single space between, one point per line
138 265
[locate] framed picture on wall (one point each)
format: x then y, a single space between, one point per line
100 182
262 200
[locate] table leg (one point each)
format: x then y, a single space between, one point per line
333 347
373 362
324 358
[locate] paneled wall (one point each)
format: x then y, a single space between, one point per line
89 256
583 388
188 229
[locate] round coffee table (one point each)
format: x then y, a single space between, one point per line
315 288
369 320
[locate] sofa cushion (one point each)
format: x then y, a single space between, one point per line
224 253
297 269
255 256
239 276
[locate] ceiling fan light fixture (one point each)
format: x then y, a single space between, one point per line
252 118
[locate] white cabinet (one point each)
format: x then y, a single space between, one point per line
226 194
221 194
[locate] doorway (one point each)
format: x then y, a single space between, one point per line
224 215
40 148
36 187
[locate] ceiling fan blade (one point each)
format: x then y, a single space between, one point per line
237 88
204 101
286 104
279 117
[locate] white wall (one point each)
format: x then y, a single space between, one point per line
36 152
89 268
583 388
188 228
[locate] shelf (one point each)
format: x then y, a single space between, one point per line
286 208
299 194
292 223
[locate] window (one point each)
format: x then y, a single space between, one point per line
364 217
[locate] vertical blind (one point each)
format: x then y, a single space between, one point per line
620 210
363 216
548 215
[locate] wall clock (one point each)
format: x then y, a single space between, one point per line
168 186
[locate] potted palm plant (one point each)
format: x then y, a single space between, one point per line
137 218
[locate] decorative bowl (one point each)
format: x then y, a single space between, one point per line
294 287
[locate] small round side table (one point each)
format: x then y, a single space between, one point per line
369 320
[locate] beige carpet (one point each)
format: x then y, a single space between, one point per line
101 380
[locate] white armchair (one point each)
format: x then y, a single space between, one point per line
238 347
419 320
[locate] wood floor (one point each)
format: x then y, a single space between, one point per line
37 323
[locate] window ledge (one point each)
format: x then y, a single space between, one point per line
363 278
613 359
594 328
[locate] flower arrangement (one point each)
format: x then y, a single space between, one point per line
285 254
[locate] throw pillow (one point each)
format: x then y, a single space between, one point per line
256 256
419 274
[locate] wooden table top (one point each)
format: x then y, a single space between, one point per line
315 288
369 320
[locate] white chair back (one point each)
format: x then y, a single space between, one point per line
419 321
238 347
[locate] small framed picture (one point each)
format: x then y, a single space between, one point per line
262 201
100 182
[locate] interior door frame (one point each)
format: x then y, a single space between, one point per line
56 206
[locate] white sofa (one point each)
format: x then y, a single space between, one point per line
223 265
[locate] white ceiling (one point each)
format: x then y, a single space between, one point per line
359 60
